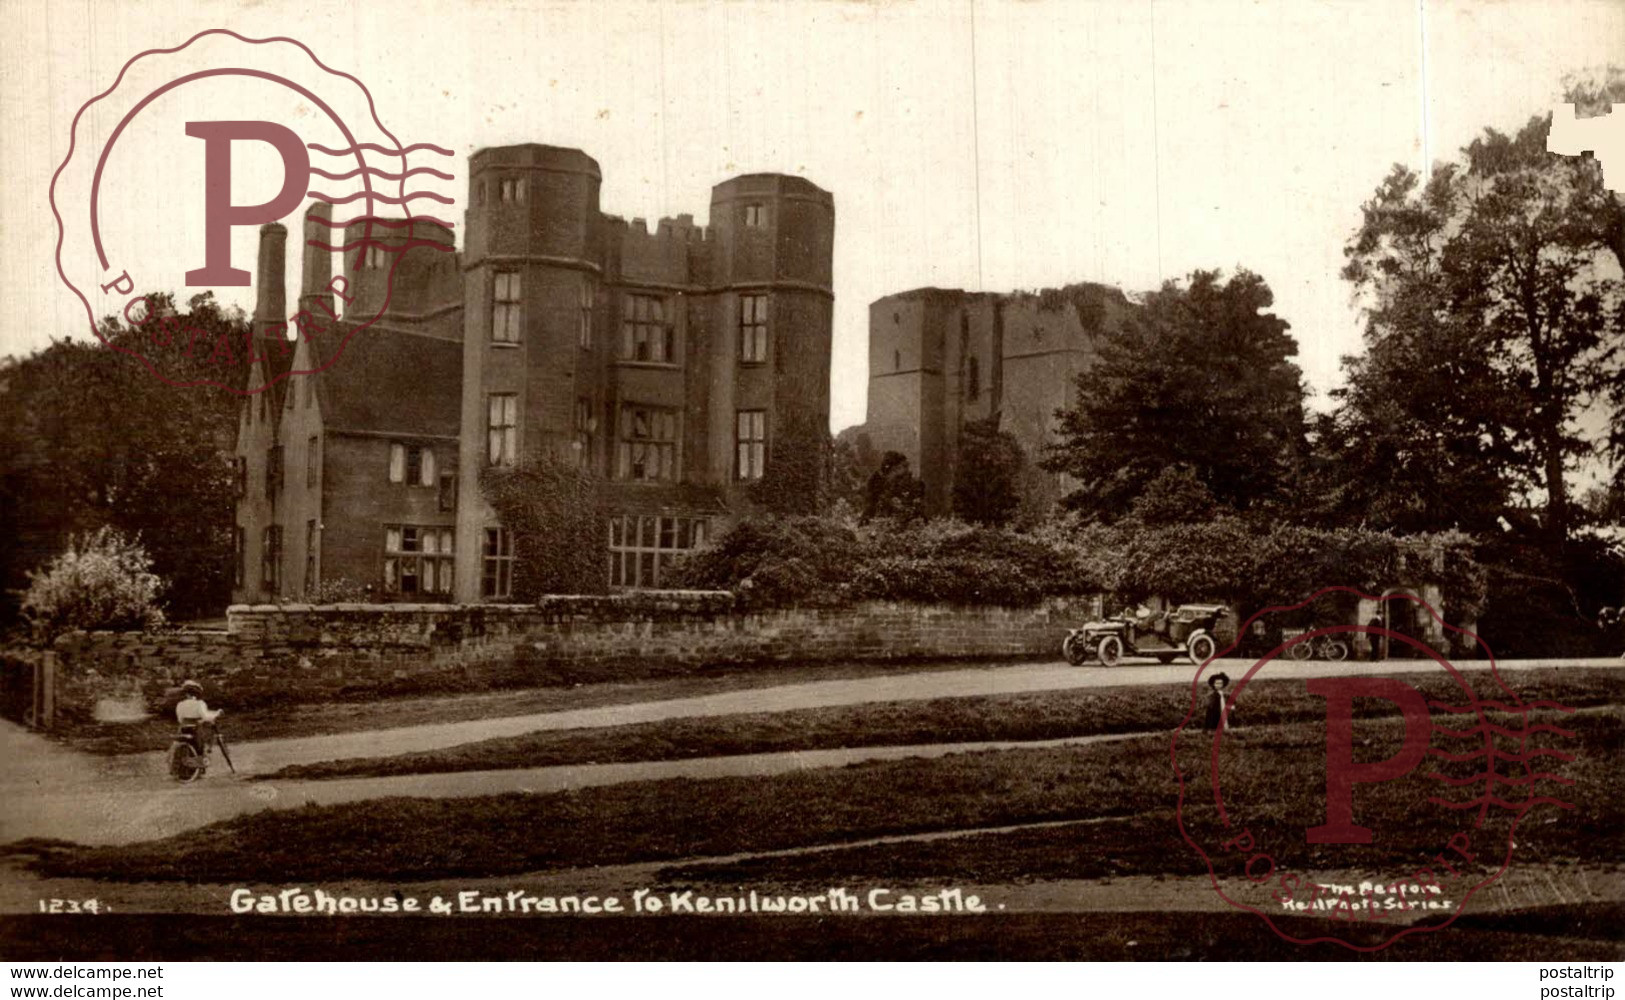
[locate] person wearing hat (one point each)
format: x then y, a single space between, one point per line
1215 699
192 711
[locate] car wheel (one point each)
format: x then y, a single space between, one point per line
1110 651
1202 647
1335 650
1076 650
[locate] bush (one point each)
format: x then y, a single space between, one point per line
777 562
103 581
340 590
556 514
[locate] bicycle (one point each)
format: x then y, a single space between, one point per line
1326 647
189 755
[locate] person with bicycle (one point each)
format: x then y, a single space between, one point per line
189 752
193 714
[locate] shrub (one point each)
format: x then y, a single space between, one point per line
341 590
1256 564
103 581
556 514
776 562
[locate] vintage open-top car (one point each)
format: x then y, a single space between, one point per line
1187 630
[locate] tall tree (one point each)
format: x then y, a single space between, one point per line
1492 322
1594 93
1199 376
987 482
91 438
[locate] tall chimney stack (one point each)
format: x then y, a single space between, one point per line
271 299
316 273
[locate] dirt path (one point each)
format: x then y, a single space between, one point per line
145 808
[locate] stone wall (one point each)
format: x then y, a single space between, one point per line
289 654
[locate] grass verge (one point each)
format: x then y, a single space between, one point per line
1127 782
1042 716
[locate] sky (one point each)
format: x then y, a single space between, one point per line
974 144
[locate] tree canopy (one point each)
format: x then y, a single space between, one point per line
93 439
1492 324
987 482
1199 376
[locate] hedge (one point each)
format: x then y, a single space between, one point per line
1251 564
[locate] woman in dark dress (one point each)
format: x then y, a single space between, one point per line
1215 699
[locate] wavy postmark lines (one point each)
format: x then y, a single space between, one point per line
1372 799
195 154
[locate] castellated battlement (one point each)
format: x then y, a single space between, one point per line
677 229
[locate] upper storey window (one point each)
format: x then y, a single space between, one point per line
512 190
753 328
584 317
756 215
505 308
502 428
645 333
375 258
647 449
411 464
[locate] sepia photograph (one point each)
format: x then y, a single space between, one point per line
821 481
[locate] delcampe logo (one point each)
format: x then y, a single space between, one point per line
241 131
1378 787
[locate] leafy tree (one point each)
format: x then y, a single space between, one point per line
1394 454
987 482
1176 496
853 459
1200 376
1487 320
894 492
1605 504
556 513
92 438
103 581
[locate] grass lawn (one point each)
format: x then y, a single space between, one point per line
1041 716
1129 782
245 723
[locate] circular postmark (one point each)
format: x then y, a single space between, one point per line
1354 785
177 180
